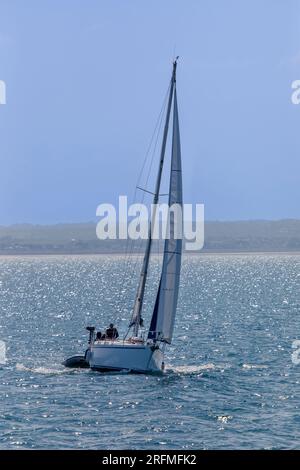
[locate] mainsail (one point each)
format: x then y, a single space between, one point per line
163 318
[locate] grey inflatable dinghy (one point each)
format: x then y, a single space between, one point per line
76 361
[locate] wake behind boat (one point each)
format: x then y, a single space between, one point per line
136 353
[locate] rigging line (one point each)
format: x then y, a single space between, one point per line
128 253
138 257
150 192
142 201
155 130
157 133
153 153
150 168
158 124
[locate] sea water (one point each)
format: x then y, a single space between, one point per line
230 382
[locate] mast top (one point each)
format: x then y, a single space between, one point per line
174 69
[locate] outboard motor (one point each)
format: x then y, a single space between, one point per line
91 330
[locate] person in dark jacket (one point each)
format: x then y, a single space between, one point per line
112 332
99 336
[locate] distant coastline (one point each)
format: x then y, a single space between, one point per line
262 236
117 255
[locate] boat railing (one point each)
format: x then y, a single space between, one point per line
133 340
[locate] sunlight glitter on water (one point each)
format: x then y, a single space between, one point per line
229 379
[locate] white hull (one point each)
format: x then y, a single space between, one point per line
119 355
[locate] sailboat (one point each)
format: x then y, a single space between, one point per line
136 353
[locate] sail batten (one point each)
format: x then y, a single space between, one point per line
163 318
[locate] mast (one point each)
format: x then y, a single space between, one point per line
138 304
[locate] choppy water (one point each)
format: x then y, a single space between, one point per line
230 381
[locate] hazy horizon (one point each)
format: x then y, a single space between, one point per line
219 236
94 222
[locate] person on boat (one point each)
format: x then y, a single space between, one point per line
112 332
99 336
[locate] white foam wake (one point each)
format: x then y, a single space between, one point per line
41 370
190 369
254 366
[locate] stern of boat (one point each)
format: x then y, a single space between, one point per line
121 355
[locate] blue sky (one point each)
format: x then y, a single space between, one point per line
85 82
